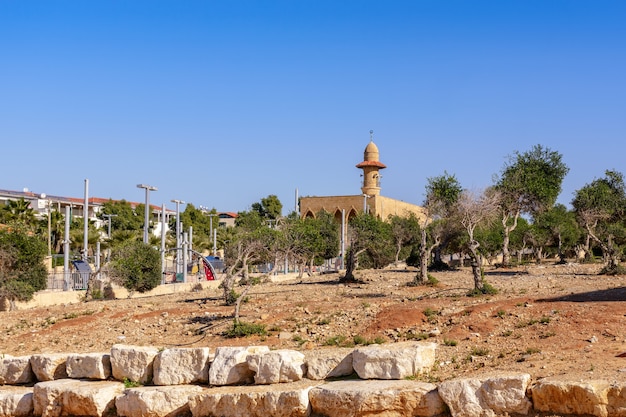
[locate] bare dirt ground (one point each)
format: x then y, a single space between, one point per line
546 320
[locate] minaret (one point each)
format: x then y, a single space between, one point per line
370 166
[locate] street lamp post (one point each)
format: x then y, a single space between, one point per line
178 203
365 208
108 217
146 218
48 204
211 231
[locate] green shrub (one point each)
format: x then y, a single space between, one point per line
335 341
22 271
243 329
479 351
448 342
130 384
136 266
432 281
487 289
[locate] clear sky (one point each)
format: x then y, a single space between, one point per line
221 103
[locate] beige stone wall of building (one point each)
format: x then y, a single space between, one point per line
352 204
380 206
383 207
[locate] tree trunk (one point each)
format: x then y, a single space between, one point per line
506 254
398 250
301 266
560 252
422 275
475 263
238 303
608 250
437 255
351 265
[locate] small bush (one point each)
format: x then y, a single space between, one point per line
243 329
335 341
130 384
479 351
360 340
431 281
487 289
448 342
231 297
617 270
417 336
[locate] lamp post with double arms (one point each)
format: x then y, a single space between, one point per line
146 219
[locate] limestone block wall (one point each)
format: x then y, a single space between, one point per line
376 380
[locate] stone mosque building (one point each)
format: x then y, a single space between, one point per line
369 200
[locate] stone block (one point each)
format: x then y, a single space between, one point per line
49 366
277 366
328 363
616 398
133 363
15 370
562 395
389 398
71 397
230 366
159 401
393 361
89 365
487 396
181 366
16 401
281 400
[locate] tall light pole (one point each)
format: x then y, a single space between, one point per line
211 232
365 208
205 211
86 223
146 218
108 217
178 203
48 203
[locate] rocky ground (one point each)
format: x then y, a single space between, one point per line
545 320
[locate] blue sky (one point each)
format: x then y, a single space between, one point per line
221 103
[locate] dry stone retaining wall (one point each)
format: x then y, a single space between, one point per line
253 381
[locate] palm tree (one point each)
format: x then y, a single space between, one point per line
18 212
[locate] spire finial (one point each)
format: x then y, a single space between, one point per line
371 136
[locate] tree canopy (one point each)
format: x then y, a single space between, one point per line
529 183
22 271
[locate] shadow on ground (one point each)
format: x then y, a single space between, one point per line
611 294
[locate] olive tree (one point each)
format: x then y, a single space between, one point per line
367 233
442 193
530 183
600 207
475 209
310 240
